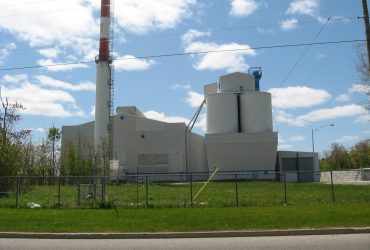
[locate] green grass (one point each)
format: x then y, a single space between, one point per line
216 194
185 219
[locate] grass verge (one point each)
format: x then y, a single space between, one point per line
185 219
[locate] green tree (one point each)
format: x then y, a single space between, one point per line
11 142
54 137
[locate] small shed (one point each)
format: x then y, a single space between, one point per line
298 166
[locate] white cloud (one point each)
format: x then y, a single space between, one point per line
367 132
53 66
348 138
298 97
50 52
48 81
243 8
143 16
318 115
342 98
303 7
40 101
280 138
265 30
180 86
92 112
39 130
284 146
201 122
192 34
297 138
359 88
322 56
230 61
14 78
45 22
364 118
5 51
289 24
160 116
194 99
131 63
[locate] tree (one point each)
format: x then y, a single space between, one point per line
53 137
364 56
11 142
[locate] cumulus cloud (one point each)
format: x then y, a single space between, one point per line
227 56
342 98
161 116
318 115
289 24
48 81
194 99
363 118
50 52
180 86
297 138
131 63
243 8
347 138
42 25
359 88
143 16
230 61
191 35
57 66
298 97
284 146
38 100
303 7
5 51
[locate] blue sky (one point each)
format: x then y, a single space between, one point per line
311 86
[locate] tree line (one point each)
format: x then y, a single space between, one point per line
340 158
20 155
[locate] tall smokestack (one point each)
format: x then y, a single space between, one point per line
103 79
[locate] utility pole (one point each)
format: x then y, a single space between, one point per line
367 29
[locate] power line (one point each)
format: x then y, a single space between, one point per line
190 53
212 29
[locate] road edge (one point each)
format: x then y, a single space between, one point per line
171 235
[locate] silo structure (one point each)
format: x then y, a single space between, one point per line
237 82
256 112
222 113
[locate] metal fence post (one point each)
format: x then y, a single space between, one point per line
78 193
332 186
285 193
17 194
236 191
102 189
191 189
146 192
137 190
59 205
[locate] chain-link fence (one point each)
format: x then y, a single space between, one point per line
225 189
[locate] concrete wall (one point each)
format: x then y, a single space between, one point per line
347 176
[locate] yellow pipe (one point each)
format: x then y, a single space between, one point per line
205 184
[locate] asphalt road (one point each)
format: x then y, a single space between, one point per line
335 242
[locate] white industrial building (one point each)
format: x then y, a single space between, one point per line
239 136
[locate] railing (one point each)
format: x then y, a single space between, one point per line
146 190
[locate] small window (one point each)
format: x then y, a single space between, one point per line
142 136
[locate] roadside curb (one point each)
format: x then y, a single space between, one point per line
170 235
